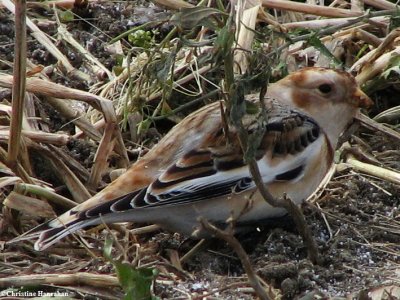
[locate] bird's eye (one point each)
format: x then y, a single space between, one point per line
325 88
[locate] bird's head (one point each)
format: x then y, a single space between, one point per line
331 97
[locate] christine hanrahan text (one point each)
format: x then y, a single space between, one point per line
31 294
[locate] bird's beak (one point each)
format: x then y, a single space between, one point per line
361 99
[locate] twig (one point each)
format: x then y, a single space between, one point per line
237 247
185 106
285 202
235 113
200 245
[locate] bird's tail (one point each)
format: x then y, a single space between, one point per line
82 216
52 231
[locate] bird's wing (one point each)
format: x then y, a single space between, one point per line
215 169
220 169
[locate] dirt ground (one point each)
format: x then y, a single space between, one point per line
356 220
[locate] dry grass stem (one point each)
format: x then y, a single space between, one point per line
144 229
8 180
293 210
357 5
181 81
18 87
81 278
72 163
44 192
100 161
93 64
38 86
194 250
375 126
317 10
21 172
373 170
174 4
386 45
46 42
66 4
29 205
374 68
382 4
38 136
78 191
367 37
317 24
79 119
388 116
246 24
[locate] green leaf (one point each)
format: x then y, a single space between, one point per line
389 76
165 109
316 42
141 38
189 18
393 66
117 70
225 40
135 282
238 104
163 67
119 59
394 21
66 16
254 140
251 108
108 248
144 126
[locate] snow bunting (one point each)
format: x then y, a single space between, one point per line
196 171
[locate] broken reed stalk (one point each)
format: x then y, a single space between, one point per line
382 4
19 82
332 29
382 173
44 192
74 185
80 278
29 205
318 10
50 89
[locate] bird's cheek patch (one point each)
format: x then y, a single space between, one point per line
298 78
301 99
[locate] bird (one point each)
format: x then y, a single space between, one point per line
198 170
